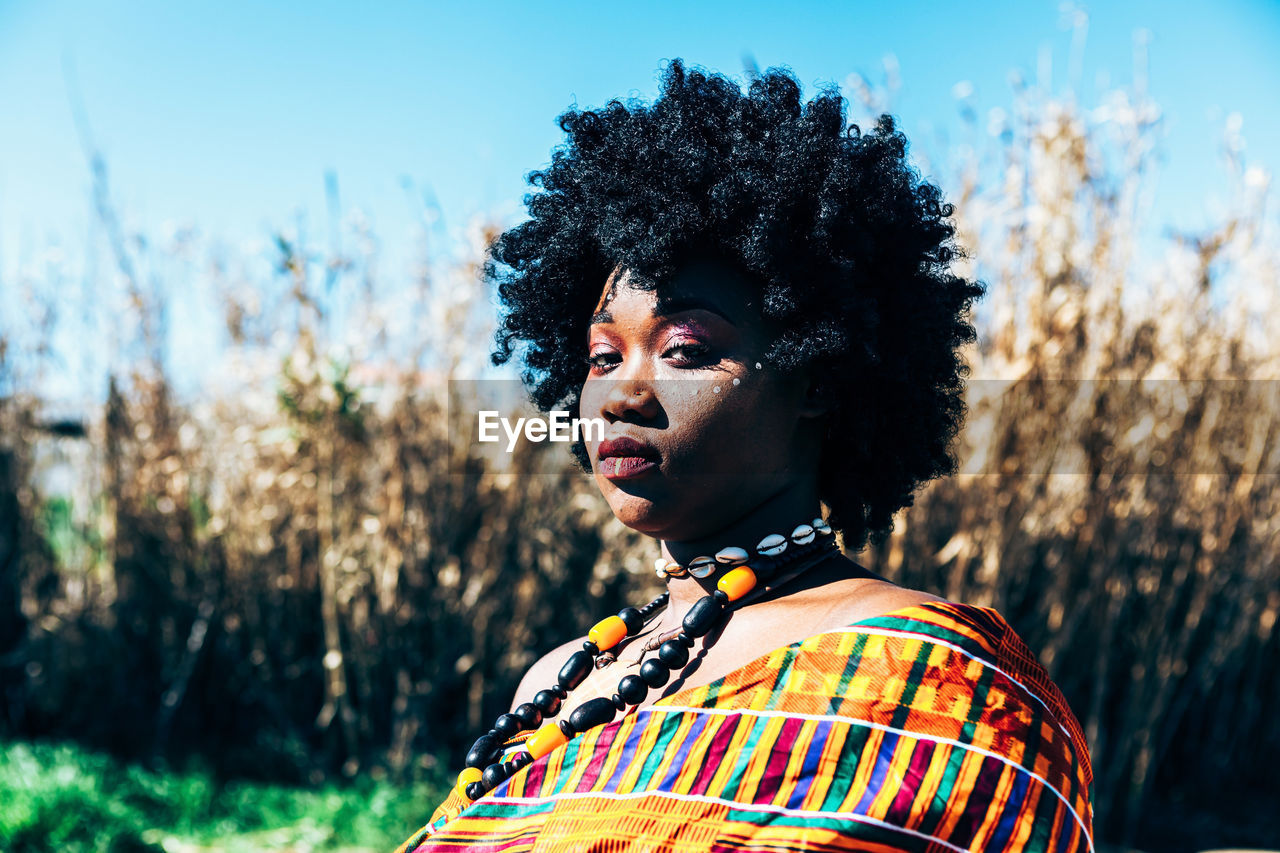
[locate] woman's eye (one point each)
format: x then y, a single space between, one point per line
599 362
687 355
691 353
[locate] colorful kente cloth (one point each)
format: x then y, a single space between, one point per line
930 728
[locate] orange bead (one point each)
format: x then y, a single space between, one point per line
737 583
607 633
545 739
465 778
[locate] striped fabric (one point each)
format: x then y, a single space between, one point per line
930 728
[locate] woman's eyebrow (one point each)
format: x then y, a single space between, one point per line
671 305
674 304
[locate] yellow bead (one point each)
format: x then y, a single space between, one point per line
544 740
737 583
607 633
465 778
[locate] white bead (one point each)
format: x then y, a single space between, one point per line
702 567
732 556
772 545
803 534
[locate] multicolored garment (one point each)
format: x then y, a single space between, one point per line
931 728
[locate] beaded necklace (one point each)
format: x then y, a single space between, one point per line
741 583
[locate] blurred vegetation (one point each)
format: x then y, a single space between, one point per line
305 579
68 799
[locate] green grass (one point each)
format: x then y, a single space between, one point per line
66 799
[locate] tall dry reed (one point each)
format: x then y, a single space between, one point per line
1118 498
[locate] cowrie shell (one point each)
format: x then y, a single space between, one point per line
732 556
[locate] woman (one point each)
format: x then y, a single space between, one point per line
763 301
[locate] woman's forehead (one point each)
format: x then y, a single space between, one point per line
703 283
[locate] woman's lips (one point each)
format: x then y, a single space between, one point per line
626 467
625 458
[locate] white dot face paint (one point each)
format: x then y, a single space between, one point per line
737 381
757 365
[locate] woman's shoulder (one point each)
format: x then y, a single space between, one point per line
884 597
544 671
981 634
870 598
977 629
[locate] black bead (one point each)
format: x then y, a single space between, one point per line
547 701
633 689
507 725
704 613
529 715
592 713
673 654
766 569
721 596
631 616
483 752
494 775
575 669
618 702
685 640
559 691
590 648
654 672
522 759
567 728
652 607
476 790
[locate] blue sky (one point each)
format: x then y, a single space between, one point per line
227 115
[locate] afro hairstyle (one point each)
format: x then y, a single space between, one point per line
850 250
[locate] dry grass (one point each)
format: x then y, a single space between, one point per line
1119 503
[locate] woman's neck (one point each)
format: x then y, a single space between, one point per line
780 513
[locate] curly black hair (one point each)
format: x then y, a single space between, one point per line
850 250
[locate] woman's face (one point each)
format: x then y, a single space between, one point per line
679 372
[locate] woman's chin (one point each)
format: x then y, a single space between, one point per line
641 516
668 519
644 510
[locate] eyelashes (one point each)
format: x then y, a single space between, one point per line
693 354
593 362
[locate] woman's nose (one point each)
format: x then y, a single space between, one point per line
631 395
